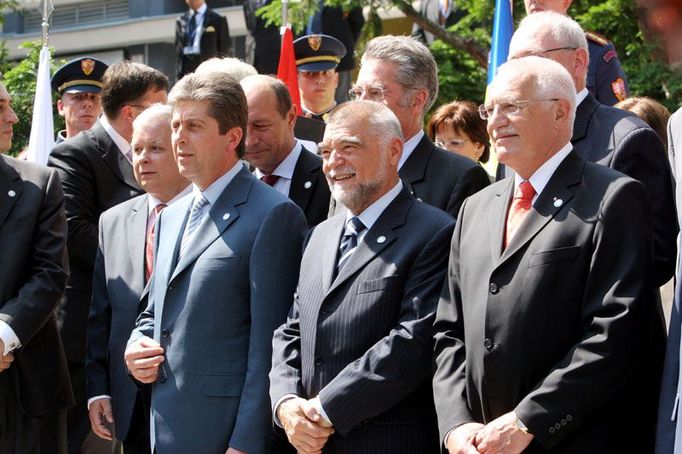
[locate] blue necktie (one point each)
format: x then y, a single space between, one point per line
195 216
349 241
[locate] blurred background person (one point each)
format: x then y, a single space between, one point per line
458 127
651 112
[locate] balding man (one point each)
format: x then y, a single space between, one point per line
279 158
543 322
401 73
123 266
607 135
351 366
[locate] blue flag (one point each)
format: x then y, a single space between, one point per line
503 28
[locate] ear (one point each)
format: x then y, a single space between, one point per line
291 117
561 111
419 99
60 107
234 136
128 113
395 151
582 58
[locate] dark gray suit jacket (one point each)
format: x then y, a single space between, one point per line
34 272
118 282
362 341
95 176
214 311
309 189
555 326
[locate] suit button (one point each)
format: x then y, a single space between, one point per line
552 430
557 426
318 361
488 343
563 422
162 379
165 333
569 418
493 288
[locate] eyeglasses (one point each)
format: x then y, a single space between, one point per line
451 143
543 52
507 107
139 106
371 93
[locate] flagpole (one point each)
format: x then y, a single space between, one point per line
285 13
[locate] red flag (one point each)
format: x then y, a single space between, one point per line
286 70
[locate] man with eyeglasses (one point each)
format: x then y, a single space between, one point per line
606 79
96 172
401 73
543 324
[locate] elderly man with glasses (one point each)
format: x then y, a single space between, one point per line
545 315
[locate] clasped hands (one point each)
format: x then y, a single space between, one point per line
500 436
143 359
305 427
5 360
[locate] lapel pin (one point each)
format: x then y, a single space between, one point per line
381 239
11 193
307 185
226 216
558 202
419 199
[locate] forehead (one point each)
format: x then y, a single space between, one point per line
196 110
512 86
376 71
259 96
4 95
532 41
346 129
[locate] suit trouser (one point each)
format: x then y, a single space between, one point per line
23 434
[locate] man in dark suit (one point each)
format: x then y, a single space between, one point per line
123 266
200 34
227 259
34 380
351 367
263 41
543 324
607 135
401 72
96 173
279 159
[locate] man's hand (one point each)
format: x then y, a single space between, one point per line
143 358
234 451
5 360
502 435
304 434
311 408
462 439
100 411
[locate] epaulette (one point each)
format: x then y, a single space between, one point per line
597 38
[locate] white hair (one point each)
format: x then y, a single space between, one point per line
162 111
229 65
378 118
564 30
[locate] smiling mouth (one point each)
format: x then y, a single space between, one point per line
344 177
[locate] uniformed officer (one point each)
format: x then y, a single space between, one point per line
317 57
606 79
78 83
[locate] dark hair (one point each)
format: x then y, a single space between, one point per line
126 82
281 92
652 112
463 118
225 97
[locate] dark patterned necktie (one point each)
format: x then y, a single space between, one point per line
349 241
191 29
270 179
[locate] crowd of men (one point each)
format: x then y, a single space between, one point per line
186 274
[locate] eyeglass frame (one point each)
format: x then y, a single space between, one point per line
354 96
519 105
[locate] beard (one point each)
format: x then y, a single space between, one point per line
360 196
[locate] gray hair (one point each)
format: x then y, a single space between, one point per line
378 118
562 29
551 80
160 111
229 65
415 65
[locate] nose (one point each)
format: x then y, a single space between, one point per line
331 161
251 138
11 117
496 119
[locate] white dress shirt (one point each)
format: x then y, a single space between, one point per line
285 170
199 14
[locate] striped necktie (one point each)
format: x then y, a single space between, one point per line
349 241
195 216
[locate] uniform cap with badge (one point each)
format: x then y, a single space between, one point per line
81 75
316 53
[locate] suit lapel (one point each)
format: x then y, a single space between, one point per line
303 181
583 115
331 246
497 218
554 198
137 233
379 237
10 188
414 169
223 213
118 164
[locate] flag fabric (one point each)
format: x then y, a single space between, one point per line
503 29
286 70
41 140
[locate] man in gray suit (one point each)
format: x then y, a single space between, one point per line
123 266
543 324
351 366
226 265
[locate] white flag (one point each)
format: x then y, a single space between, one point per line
41 142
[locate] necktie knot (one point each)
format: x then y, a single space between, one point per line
270 179
354 226
525 191
159 207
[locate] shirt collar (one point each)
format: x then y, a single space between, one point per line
200 11
580 96
118 139
370 214
409 147
286 168
544 173
218 186
153 201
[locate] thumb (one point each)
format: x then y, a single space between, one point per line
108 413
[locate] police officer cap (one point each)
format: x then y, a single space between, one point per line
79 75
318 52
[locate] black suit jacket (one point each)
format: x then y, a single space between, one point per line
214 41
118 282
555 326
363 341
440 178
32 246
95 176
309 188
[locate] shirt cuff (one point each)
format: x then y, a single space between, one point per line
323 413
277 404
101 396
9 338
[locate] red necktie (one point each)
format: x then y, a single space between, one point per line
270 179
520 206
149 246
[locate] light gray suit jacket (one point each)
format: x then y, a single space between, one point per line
214 311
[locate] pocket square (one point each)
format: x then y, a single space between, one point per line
209 29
